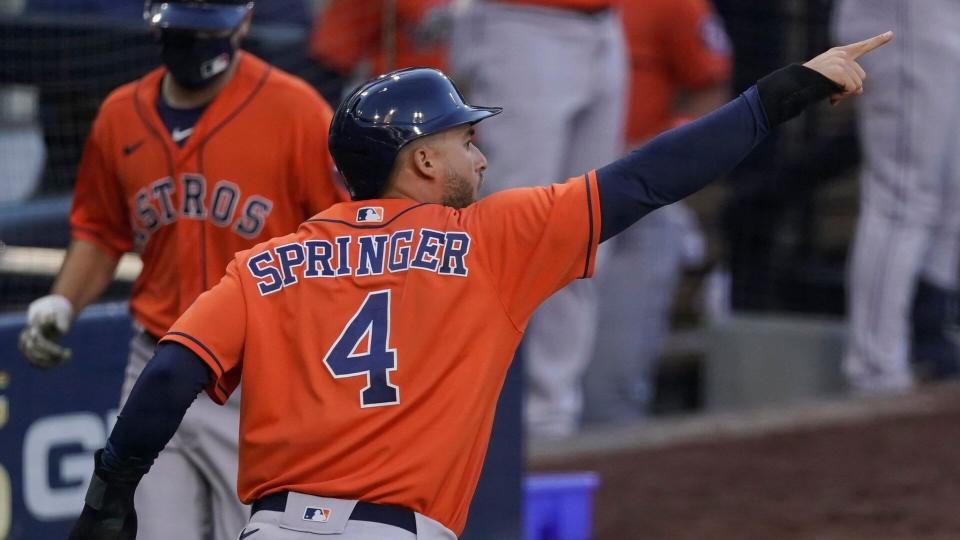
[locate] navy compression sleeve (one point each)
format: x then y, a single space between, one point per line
157 403
683 160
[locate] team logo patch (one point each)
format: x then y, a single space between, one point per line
316 513
370 214
215 66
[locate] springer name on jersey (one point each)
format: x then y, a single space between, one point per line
443 253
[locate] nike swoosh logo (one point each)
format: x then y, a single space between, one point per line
179 135
245 533
131 148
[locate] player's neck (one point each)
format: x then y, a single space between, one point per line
178 97
402 186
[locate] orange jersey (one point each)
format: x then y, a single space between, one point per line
374 341
255 167
350 31
673 45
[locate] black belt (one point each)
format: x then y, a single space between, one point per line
397 516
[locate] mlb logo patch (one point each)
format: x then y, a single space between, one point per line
314 513
370 214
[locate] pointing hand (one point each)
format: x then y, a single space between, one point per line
839 64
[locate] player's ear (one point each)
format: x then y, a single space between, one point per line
425 161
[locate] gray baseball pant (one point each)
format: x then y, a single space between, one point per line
190 492
637 289
560 76
909 222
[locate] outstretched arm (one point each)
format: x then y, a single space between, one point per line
683 160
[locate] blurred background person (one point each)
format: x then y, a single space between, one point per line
904 261
680 65
358 39
559 68
67 110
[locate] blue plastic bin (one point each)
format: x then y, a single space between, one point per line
559 506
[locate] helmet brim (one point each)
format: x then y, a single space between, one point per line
469 115
196 17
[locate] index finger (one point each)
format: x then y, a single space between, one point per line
856 50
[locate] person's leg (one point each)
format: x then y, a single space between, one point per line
597 129
535 62
213 448
904 138
636 293
557 346
510 57
171 500
620 355
935 308
560 340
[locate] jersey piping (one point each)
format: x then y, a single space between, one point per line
586 263
206 350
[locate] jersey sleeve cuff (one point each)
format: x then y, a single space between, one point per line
593 223
219 389
90 235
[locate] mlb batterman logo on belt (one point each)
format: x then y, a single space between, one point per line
315 513
370 214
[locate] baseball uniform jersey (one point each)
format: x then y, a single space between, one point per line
349 31
255 167
673 45
350 332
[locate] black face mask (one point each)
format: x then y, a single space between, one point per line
195 62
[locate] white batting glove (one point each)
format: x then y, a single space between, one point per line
48 318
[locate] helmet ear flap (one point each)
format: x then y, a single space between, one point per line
381 116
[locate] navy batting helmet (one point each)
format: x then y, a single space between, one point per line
379 118
196 15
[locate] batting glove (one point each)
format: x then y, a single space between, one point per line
108 511
48 318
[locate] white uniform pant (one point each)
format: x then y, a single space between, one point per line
560 76
190 492
909 223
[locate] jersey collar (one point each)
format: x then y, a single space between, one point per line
372 213
247 81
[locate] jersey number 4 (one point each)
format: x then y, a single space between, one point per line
370 324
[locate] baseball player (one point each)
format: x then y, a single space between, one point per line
348 32
679 70
203 157
570 54
907 245
372 343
